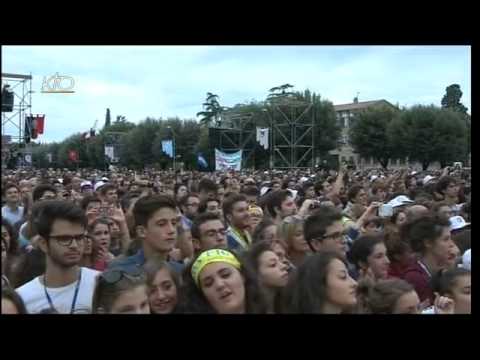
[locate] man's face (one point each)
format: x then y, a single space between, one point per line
12 195
333 240
288 207
160 233
276 186
111 196
204 195
212 236
240 218
61 247
213 207
251 199
191 208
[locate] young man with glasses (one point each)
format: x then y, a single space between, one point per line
208 232
189 205
324 231
65 287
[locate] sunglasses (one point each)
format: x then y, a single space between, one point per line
113 276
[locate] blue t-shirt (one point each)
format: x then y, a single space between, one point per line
132 263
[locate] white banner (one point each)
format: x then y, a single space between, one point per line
109 152
225 161
262 137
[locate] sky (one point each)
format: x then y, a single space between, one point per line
172 81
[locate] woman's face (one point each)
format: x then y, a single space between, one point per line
452 190
6 236
223 287
133 301
401 218
163 293
461 294
87 250
361 198
310 193
408 303
443 248
445 211
298 242
101 237
341 288
272 271
378 261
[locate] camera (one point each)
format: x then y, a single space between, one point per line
385 211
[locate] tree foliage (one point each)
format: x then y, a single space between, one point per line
369 134
451 100
427 134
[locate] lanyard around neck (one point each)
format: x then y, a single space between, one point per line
74 301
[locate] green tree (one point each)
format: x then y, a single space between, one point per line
107 118
427 134
212 110
451 100
369 135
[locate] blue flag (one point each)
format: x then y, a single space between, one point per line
201 161
167 147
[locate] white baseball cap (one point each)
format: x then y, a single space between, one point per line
293 192
373 178
457 223
427 178
98 185
467 260
264 190
85 183
400 201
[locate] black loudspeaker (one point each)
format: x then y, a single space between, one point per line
7 100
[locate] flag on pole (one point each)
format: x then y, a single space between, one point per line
262 137
40 123
201 161
109 152
167 147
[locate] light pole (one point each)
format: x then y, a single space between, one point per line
173 145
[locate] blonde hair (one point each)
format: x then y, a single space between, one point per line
287 228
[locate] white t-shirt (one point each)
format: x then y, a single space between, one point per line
35 300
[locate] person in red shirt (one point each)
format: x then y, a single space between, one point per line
428 236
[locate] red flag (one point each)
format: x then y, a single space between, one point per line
73 155
40 123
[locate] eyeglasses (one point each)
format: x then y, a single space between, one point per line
212 233
67 240
334 236
114 276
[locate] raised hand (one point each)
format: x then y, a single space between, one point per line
443 305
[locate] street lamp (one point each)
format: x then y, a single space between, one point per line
174 152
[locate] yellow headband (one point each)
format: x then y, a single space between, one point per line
211 256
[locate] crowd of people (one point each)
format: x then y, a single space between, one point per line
320 241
